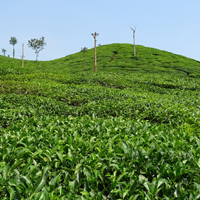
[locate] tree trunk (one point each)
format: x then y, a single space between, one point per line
95 55
13 52
22 55
36 62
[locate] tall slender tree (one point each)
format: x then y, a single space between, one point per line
134 40
13 41
95 57
4 52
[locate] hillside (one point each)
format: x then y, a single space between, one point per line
113 58
129 131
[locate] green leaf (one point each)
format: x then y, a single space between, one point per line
38 196
96 172
48 156
116 191
161 181
70 140
85 193
197 197
125 147
198 162
148 186
74 184
11 192
125 193
142 179
134 197
27 180
102 152
5 171
43 196
46 193
57 164
12 182
53 181
46 169
60 156
39 185
16 164
121 176
150 196
114 165
87 173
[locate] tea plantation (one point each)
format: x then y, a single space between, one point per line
129 131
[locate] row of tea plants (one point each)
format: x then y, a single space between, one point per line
99 136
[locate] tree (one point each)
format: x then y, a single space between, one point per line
134 40
4 52
83 50
13 41
95 57
37 45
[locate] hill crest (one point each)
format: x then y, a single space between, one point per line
114 58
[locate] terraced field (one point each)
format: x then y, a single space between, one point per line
129 131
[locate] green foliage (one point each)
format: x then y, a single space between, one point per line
84 49
13 41
117 58
4 52
106 135
37 45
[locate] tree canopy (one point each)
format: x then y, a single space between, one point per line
37 45
3 51
13 40
84 49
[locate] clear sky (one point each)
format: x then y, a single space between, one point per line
171 25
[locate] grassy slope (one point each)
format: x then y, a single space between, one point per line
115 134
116 57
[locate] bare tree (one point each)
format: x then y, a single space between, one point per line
134 40
95 40
13 41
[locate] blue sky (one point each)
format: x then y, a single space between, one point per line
171 25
